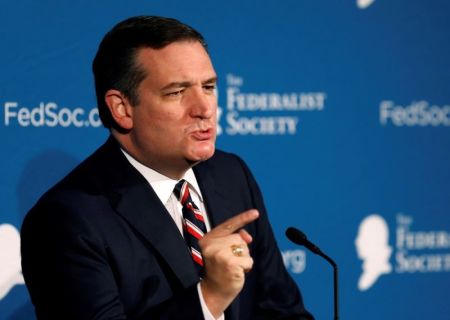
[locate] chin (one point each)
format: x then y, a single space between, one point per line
201 155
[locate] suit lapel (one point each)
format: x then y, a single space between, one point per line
135 200
219 210
143 210
218 207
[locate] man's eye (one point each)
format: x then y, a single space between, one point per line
174 93
210 87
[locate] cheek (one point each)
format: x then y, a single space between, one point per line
163 122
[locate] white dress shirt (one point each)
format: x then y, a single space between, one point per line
163 187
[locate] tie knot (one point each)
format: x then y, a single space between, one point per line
181 191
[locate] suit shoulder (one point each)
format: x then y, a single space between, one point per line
95 175
87 184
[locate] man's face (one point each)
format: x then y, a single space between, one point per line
174 123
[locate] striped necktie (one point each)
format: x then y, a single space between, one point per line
193 223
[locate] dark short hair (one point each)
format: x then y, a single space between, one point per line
114 65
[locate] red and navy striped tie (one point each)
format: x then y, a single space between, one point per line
193 223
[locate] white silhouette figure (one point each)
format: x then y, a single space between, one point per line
373 248
363 4
10 269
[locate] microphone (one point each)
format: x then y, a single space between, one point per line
298 237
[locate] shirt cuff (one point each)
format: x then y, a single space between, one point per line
206 313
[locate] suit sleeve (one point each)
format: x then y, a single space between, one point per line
277 295
66 268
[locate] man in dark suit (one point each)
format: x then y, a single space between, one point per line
113 240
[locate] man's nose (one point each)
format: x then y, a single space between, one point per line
203 104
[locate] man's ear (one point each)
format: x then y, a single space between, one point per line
120 108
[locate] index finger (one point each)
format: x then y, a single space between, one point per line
235 223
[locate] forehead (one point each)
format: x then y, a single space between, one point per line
186 60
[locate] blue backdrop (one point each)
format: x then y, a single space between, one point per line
349 100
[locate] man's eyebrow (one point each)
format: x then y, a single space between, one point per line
210 80
177 84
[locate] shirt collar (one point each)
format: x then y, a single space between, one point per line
161 184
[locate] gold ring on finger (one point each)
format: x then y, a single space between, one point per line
238 250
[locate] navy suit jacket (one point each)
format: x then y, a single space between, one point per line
101 245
